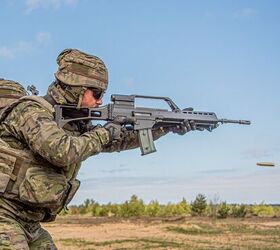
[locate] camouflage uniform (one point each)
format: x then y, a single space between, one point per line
45 179
23 235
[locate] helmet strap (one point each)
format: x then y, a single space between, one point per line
70 94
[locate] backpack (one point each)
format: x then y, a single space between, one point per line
10 91
22 178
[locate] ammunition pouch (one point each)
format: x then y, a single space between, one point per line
24 179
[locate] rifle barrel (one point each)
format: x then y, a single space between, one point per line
243 122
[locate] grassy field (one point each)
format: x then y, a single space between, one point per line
74 232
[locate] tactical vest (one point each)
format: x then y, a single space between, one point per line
29 179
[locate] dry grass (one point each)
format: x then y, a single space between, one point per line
175 233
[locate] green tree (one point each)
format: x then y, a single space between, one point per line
110 210
223 210
239 211
133 207
184 207
262 210
199 205
85 208
170 210
153 208
73 210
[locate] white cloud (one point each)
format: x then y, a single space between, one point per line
13 51
43 38
46 4
23 47
6 52
246 13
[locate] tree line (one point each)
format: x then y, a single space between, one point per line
135 207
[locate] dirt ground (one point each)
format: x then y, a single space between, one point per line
74 232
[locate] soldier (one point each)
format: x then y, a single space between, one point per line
41 161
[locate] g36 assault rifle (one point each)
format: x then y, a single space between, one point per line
122 110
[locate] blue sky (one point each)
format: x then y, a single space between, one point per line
220 56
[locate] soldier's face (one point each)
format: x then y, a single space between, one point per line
90 99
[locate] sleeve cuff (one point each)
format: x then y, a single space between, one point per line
103 135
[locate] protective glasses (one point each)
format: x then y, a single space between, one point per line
97 94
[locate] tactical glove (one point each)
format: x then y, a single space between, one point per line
185 127
115 131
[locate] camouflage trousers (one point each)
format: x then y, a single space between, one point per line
16 235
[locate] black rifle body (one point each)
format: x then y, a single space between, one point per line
122 110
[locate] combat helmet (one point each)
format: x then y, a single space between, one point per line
77 71
10 91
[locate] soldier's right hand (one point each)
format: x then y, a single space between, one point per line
115 131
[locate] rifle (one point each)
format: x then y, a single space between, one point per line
122 110
32 89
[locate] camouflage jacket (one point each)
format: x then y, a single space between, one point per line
30 127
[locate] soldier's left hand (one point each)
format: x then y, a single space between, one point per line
185 127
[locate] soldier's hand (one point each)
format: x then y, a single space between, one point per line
183 128
115 131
